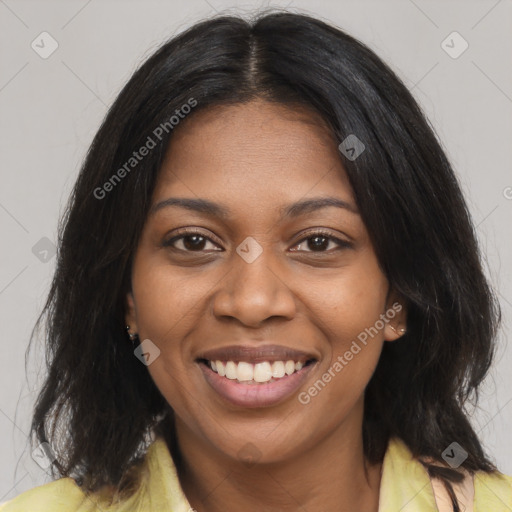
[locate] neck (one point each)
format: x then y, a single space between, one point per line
331 475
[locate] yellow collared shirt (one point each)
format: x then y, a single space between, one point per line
405 487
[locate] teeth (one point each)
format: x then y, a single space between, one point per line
220 368
231 370
245 371
278 369
255 373
262 372
289 367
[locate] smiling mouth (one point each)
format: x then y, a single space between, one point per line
264 372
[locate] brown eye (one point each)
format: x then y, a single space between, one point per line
189 241
193 242
320 242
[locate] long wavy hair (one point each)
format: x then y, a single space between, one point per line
98 404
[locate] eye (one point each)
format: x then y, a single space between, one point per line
189 241
194 241
319 241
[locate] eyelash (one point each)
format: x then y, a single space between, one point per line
343 244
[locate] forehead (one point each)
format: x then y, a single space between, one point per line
258 151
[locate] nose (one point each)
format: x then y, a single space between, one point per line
254 292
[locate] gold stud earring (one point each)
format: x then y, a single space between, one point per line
400 331
132 335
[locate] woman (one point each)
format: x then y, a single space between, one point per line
267 216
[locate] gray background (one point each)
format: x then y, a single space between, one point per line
51 108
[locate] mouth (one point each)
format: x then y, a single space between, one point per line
255 374
262 380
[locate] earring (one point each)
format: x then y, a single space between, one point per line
132 335
400 331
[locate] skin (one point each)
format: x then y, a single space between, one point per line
255 159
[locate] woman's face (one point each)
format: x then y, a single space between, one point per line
266 277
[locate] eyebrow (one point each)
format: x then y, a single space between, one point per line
210 208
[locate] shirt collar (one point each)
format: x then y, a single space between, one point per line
405 484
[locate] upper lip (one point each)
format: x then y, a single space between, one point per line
255 354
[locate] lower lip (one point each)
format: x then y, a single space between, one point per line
255 395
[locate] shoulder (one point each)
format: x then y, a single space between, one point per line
57 496
407 481
493 491
157 489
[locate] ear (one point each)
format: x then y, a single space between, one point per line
396 317
131 314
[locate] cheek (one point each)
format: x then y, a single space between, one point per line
164 314
169 306
167 302
348 311
349 303
163 305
